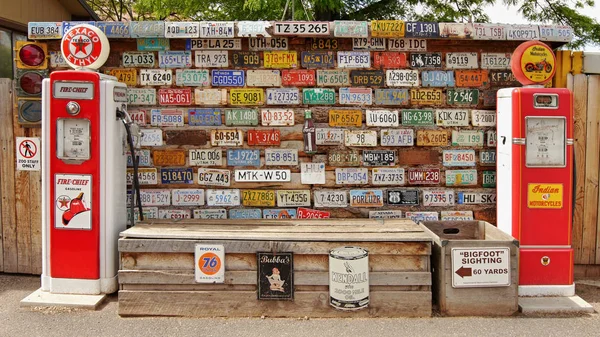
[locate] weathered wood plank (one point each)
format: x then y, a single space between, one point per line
235 230
244 304
35 198
7 180
154 224
22 209
592 159
253 287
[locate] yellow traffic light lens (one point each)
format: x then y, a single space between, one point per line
32 55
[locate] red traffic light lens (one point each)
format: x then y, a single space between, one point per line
31 83
32 55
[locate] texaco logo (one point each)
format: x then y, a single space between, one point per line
85 46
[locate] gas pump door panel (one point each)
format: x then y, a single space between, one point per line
73 139
546 142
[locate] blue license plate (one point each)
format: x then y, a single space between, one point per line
421 29
152 44
317 59
175 59
437 78
204 117
283 213
391 96
66 25
177 175
247 213
228 78
243 157
114 29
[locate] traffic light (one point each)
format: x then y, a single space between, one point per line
32 67
30 112
31 55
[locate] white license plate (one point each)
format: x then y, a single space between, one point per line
214 177
155 197
217 29
212 157
468 198
146 176
210 214
495 60
461 61
461 177
329 136
312 173
175 29
263 78
302 28
356 96
330 198
253 28
489 31
151 137
283 96
223 197
556 33
213 44
368 43
360 138
166 117
277 117
44 30
175 59
397 137
138 116
224 137
382 118
522 32
136 96
293 198
281 157
211 58
192 77
438 198
467 138
210 96
57 60
452 117
407 44
187 197
402 78
143 158
492 138
138 59
389 214
174 214
262 175
388 176
354 59
458 157
268 43
351 176
483 117
456 215
156 76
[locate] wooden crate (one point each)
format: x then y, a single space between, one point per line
157 267
475 301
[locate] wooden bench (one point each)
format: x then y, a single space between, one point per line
156 276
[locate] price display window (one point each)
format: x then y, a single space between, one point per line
73 139
546 142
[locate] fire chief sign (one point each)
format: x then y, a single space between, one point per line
73 201
480 267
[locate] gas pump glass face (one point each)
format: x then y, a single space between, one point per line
546 142
73 139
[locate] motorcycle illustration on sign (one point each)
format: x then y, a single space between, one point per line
538 66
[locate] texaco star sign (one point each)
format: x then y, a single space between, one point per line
85 46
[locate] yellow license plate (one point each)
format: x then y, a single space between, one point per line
258 198
387 28
280 59
246 97
432 138
345 118
126 75
426 96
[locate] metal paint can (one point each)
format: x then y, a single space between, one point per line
349 278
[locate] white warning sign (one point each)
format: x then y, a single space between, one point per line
73 199
28 154
480 267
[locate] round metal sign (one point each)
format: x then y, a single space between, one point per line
533 62
85 46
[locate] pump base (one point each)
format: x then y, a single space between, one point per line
41 298
547 290
554 305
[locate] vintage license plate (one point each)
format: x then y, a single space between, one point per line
317 59
176 29
489 31
213 44
424 96
264 137
438 198
356 96
187 197
175 96
151 137
217 29
407 44
153 44
457 30
318 96
147 212
421 29
345 118
351 176
281 157
368 78
467 138
277 117
136 96
343 158
246 59
44 30
174 214
403 197
556 33
350 29
307 213
156 76
210 96
423 176
379 157
210 214
476 198
503 78
243 157
204 117
397 137
451 117
387 28
280 59
192 77
432 138
261 198
126 75
371 43
241 117
66 25
228 78
421 216
57 60
483 117
426 60
382 118
522 32
284 213
487 157
461 177
263 78
417 117
489 179
299 77
229 197
248 213
320 43
211 58
262 175
329 136
456 215
301 28
461 61
491 137
471 78
333 78
166 117
360 137
389 59
495 60
402 78
143 158
226 137
354 59
388 176
147 29
246 97
177 175
267 43
214 177
462 97
146 176
293 198
155 197
366 198
175 59
283 96
437 78
396 97
330 198
312 173
208 157
489 98
458 157
138 59
388 214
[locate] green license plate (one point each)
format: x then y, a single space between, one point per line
416 117
462 96
489 178
318 96
235 117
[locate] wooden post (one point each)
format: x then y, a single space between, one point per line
8 244
592 158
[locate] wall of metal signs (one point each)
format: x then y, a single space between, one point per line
403 113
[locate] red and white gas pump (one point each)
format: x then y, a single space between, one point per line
535 173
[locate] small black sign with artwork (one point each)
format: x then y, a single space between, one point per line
275 276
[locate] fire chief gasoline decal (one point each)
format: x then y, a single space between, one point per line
275 276
73 198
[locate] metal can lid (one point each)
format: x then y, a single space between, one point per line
348 253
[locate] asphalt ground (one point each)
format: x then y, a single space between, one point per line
16 321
